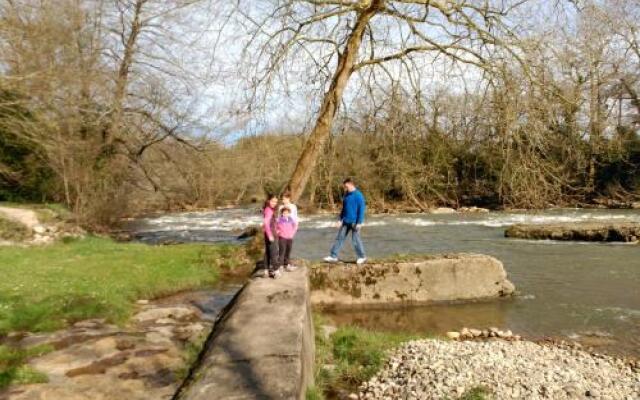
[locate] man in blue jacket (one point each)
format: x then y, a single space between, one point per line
351 219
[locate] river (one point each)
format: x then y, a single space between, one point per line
588 292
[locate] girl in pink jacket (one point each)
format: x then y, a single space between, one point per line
286 227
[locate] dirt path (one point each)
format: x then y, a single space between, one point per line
26 217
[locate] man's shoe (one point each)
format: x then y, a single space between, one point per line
361 261
290 268
331 259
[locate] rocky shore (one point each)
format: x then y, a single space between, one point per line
590 232
145 359
508 369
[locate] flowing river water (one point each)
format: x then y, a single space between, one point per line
588 292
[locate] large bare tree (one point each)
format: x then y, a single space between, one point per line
336 38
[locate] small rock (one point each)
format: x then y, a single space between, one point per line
592 393
475 332
453 335
353 396
39 229
142 302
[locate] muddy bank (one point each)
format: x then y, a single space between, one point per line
589 232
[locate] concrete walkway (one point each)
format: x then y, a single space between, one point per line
263 347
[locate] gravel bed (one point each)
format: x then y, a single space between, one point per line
437 369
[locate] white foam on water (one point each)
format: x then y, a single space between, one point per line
238 219
620 312
208 221
497 220
416 222
328 224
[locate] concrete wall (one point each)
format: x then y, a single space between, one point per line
455 277
263 348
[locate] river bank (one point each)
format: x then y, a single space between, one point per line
500 370
147 357
53 287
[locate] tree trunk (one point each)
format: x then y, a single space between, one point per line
123 75
322 129
594 128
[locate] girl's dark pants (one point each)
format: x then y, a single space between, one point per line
270 254
285 250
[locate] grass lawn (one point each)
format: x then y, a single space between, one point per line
46 288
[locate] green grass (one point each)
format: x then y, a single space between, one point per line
477 393
13 368
13 231
191 353
46 288
356 355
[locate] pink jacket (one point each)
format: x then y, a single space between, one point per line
269 222
286 227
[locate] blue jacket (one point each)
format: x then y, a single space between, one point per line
353 208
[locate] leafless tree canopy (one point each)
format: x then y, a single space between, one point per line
118 106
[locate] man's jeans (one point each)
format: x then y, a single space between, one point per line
355 239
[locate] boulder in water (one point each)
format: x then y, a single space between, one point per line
454 277
589 231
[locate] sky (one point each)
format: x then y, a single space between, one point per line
226 97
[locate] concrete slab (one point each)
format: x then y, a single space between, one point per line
263 347
423 280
